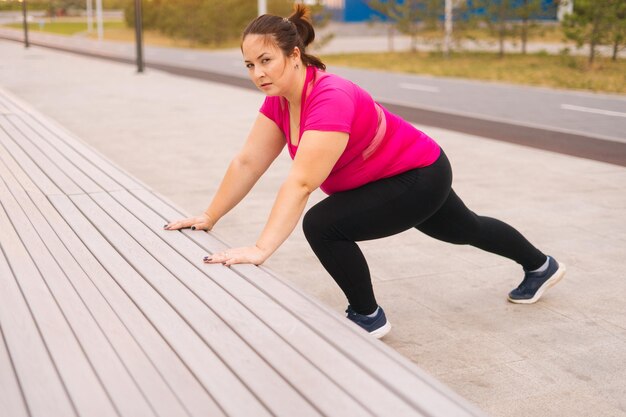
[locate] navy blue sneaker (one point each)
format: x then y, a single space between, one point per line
536 283
377 326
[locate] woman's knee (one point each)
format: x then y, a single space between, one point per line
326 221
313 224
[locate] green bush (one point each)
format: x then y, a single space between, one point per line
15 5
201 21
6 6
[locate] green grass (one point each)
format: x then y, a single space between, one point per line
560 71
66 28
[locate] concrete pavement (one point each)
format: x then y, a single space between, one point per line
563 356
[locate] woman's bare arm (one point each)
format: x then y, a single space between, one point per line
317 154
264 144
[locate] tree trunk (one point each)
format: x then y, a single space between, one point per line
592 51
524 35
501 34
615 49
390 31
594 35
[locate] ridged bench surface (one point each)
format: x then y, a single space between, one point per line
103 313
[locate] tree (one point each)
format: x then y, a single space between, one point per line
407 21
498 16
453 10
464 20
210 22
13 5
409 16
501 17
618 28
199 21
590 23
525 11
386 9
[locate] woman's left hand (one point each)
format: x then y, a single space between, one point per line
247 255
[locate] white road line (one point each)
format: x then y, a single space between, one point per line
419 87
592 110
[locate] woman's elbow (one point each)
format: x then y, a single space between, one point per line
301 186
240 161
244 165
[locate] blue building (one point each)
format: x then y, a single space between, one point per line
359 11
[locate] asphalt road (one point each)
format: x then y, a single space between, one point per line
583 124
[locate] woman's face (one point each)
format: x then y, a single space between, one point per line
268 67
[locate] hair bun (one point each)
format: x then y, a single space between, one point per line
301 17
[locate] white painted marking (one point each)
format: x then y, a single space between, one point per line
419 87
592 110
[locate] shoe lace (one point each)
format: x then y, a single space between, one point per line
350 311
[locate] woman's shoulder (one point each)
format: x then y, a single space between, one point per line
325 80
328 85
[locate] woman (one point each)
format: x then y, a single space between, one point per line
382 175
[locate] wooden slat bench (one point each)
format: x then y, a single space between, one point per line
103 313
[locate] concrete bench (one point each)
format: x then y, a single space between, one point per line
103 313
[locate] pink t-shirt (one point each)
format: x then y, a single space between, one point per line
380 144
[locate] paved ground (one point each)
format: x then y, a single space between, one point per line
563 356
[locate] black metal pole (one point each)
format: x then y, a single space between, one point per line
138 35
24 13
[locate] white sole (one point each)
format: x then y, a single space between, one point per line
558 275
378 333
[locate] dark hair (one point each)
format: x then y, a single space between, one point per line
296 30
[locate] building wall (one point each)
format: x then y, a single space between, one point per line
359 11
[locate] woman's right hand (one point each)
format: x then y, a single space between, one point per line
202 222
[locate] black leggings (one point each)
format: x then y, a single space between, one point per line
420 198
